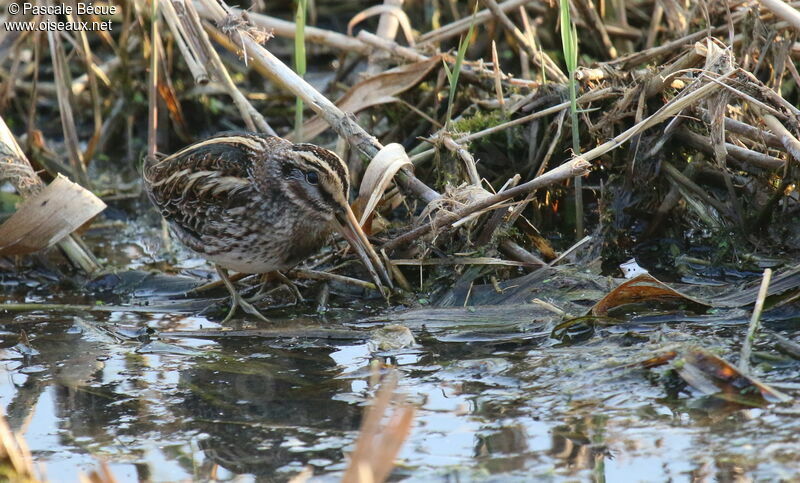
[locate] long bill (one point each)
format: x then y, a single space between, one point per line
354 235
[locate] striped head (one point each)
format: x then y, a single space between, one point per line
317 181
313 178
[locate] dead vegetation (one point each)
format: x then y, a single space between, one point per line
685 114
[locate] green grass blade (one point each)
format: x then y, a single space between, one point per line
452 76
299 62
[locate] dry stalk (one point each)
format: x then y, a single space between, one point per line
332 277
668 110
783 10
193 53
465 156
787 139
589 13
458 27
60 70
387 29
752 330
252 118
472 71
584 99
733 151
541 60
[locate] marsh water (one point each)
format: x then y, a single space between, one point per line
498 399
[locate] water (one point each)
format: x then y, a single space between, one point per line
493 405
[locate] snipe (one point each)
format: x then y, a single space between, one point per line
255 204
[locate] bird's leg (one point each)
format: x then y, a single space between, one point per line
298 297
236 299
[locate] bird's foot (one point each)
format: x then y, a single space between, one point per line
238 301
298 297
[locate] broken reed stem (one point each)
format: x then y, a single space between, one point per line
192 54
15 167
752 330
250 115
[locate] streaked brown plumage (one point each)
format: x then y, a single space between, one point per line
254 203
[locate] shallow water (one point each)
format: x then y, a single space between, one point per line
507 406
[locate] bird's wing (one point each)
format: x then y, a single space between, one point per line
194 187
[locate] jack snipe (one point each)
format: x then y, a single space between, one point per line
255 204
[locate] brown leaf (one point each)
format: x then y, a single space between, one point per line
644 288
48 217
376 90
714 376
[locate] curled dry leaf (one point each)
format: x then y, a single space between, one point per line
48 217
389 160
644 288
398 12
376 90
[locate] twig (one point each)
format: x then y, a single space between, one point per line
789 142
784 11
320 275
755 158
550 67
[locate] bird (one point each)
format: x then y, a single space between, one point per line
254 203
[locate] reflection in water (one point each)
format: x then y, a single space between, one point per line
258 416
268 408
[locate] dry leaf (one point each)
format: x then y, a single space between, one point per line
48 217
714 376
644 288
389 160
398 12
378 89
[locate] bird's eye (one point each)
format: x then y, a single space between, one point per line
312 177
